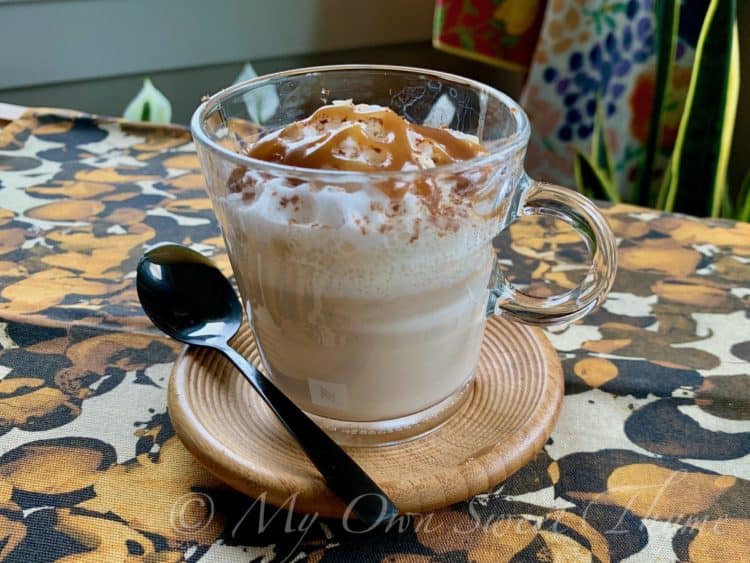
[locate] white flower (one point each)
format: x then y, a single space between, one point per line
149 105
262 102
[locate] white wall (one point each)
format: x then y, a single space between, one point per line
52 41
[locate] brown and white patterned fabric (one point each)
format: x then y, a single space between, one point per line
650 460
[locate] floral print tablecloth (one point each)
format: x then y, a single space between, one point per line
650 460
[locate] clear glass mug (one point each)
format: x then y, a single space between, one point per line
368 293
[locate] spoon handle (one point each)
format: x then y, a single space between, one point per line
343 475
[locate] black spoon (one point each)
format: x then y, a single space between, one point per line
188 298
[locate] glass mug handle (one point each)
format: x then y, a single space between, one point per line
538 198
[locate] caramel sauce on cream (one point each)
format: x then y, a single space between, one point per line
363 138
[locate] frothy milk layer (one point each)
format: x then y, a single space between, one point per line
367 298
352 249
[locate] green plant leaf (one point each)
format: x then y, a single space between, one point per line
599 152
743 199
666 182
149 105
727 209
701 154
667 24
592 181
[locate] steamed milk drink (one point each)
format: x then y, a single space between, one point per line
367 298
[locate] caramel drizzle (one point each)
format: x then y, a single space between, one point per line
293 145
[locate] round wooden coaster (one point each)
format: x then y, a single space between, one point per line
513 406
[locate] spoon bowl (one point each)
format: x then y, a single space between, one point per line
188 298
